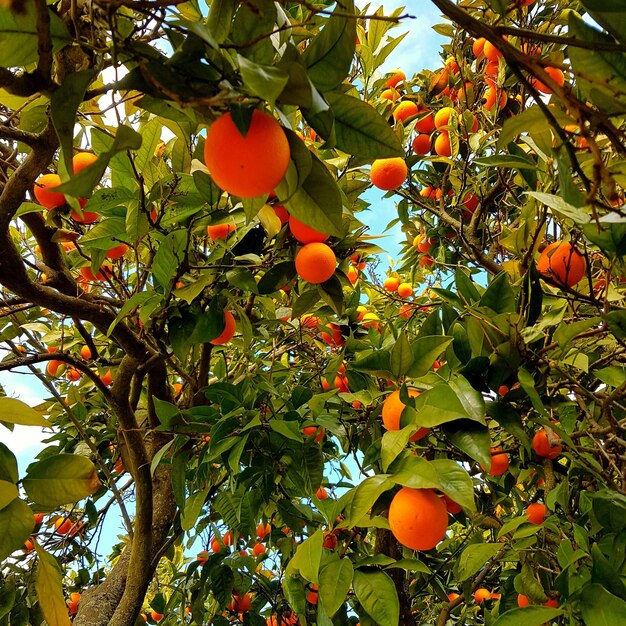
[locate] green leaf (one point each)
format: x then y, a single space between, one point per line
193 508
277 277
565 333
365 495
360 130
601 608
426 350
307 558
15 411
18 35
329 56
560 207
474 557
61 479
528 385
295 593
610 14
168 255
499 296
335 581
529 121
151 136
528 616
290 430
7 597
64 104
613 376
17 523
507 160
455 482
49 589
402 355
220 17
264 81
610 238
8 493
471 438
8 465
393 443
317 202
377 594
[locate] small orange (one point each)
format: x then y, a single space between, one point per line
397 77
453 596
478 46
304 233
317 432
422 243
38 517
352 274
481 594
311 596
315 262
491 52
73 375
405 290
404 110
390 94
418 518
242 166
89 276
391 283
503 390
281 213
82 160
499 462
388 174
263 530
321 494
371 320
220 231
107 379
536 512
156 617
492 96
117 251
88 217
555 74
562 262
522 600
258 549
421 144
43 191
230 326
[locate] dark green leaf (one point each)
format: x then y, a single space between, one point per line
335 582
277 277
377 594
499 296
601 608
8 465
221 14
426 350
528 616
471 438
474 557
264 81
17 523
402 355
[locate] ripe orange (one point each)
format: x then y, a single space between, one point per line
304 233
263 530
241 605
230 326
503 390
561 262
371 320
390 94
317 432
491 52
38 517
418 518
107 379
422 243
29 546
405 290
156 617
247 166
388 174
493 95
352 274
425 124
202 557
481 594
442 145
451 506
89 276
82 160
281 213
73 374
219 231
522 600
397 77
43 191
470 202
406 310
542 447
53 366
88 217
478 46
311 596
117 251
315 262
391 284
555 74
258 549
392 412
536 512
404 110
442 117
421 144
499 462
321 494
552 603
453 596
64 526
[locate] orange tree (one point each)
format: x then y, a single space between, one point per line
280 434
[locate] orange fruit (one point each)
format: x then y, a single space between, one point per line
390 94
258 549
542 446
388 174
202 557
503 390
88 217
321 494
82 160
493 95
230 326
304 233
451 506
421 144
470 202
453 596
426 123
392 412
442 145
73 374
371 320
156 617
397 77
107 379
561 262
311 596
478 46
315 262
64 526
404 110
263 530
53 366
555 74
406 310
247 166
481 594
352 274
29 546
219 231
391 284
422 243
281 213
38 518
405 290
89 276
117 251
522 600
491 52
552 603
43 191
536 512
318 432
499 462
418 518
442 117
241 605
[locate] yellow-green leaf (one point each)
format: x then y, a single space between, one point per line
16 522
49 588
8 493
15 411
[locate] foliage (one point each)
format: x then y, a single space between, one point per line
190 442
